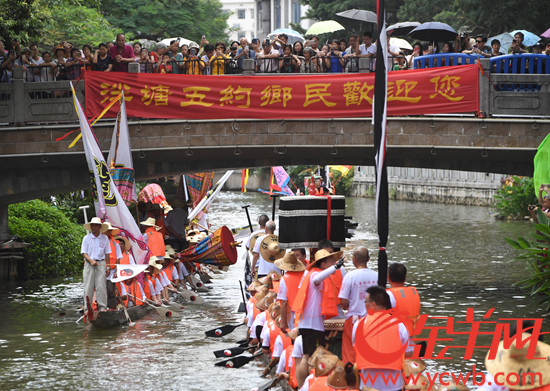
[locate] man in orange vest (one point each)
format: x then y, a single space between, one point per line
286 368
403 298
111 267
153 238
274 343
158 215
352 296
315 302
288 287
301 255
133 289
392 340
127 258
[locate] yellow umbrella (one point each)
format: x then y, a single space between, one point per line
326 26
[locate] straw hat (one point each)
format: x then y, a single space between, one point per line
177 203
322 254
254 238
514 360
167 209
150 222
153 262
58 47
255 285
193 232
264 303
274 310
126 242
337 379
419 383
290 263
413 366
269 249
261 292
266 281
275 276
196 239
169 250
95 220
111 228
325 363
293 334
318 352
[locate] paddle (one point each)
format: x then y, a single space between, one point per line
237 362
221 331
243 342
188 295
242 308
174 306
267 385
123 306
162 311
232 352
204 277
244 301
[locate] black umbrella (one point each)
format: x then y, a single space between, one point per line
403 28
360 15
434 31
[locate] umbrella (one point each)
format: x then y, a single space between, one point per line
326 26
403 28
505 41
183 41
546 34
293 36
434 31
361 15
529 39
153 193
404 45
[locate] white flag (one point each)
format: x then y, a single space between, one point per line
108 203
209 197
125 272
120 152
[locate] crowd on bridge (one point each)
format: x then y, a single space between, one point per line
277 55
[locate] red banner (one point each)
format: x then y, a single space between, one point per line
451 89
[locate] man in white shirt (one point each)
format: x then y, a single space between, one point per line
368 49
262 221
264 267
95 249
268 58
352 296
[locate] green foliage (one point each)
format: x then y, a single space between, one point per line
24 20
393 192
54 239
343 186
513 200
158 19
536 256
69 204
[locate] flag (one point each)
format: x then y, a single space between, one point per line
198 185
542 165
379 121
343 171
206 200
121 165
125 272
244 180
282 179
109 205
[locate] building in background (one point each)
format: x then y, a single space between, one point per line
242 18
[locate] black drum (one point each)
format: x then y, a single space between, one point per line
303 221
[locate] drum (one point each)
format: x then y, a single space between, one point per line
304 221
218 249
334 324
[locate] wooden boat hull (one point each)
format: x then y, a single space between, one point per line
109 319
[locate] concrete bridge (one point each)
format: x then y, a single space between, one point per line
34 165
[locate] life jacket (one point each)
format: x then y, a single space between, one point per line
169 270
274 332
125 258
328 302
134 290
160 222
275 286
292 281
112 255
407 300
155 242
320 384
255 310
290 363
337 281
384 340
146 288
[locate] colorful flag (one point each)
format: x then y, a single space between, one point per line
198 185
244 180
207 199
121 165
282 179
108 203
379 121
542 165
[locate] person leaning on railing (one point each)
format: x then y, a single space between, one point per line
309 64
102 60
180 59
145 61
163 65
194 65
289 62
218 59
267 58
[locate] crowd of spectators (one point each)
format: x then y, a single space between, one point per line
66 62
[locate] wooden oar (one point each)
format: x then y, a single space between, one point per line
232 352
188 295
203 276
267 385
223 330
203 227
123 306
174 306
237 362
162 311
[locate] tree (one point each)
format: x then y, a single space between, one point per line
23 20
158 19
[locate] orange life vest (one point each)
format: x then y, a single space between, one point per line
255 310
328 302
383 341
337 281
133 290
168 270
112 255
125 259
146 288
292 281
288 356
275 286
320 384
407 300
160 222
274 332
155 242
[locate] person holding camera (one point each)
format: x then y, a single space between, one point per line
463 41
517 44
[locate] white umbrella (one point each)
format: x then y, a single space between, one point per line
401 43
183 41
293 36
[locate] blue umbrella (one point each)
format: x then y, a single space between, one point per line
434 31
529 39
293 36
505 41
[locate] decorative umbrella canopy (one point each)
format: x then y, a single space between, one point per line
434 31
505 41
403 45
403 28
529 39
361 15
546 34
293 36
153 193
326 26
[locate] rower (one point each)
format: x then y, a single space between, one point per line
324 364
259 321
266 251
336 278
158 215
127 257
134 289
153 238
278 342
316 302
301 255
288 287
150 288
251 310
115 249
386 340
286 368
352 296
403 298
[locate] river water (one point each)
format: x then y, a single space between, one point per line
456 257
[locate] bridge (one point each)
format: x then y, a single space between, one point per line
34 165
